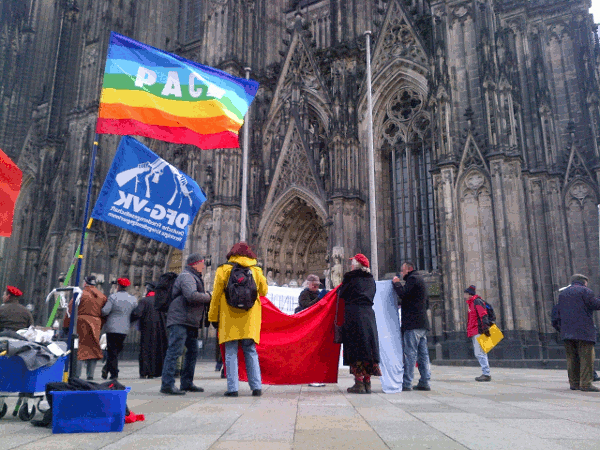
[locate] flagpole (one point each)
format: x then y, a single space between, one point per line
372 203
72 336
245 151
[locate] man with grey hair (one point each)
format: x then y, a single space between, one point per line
310 295
572 317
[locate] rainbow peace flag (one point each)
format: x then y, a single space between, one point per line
152 93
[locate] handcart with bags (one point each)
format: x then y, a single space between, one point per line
16 380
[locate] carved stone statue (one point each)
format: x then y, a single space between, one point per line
337 270
270 279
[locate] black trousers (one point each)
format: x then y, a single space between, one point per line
114 346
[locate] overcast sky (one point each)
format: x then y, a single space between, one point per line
596 10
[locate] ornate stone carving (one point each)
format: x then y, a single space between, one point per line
580 192
397 40
475 181
295 169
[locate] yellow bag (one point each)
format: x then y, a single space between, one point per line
489 342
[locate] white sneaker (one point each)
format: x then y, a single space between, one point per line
317 384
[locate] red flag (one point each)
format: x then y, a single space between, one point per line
10 185
297 349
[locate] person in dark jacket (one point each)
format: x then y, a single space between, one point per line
360 339
117 311
153 334
573 318
13 315
185 316
478 323
414 302
310 295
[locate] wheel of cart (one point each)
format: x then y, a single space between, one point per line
27 385
3 408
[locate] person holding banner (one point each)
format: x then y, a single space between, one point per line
360 339
239 327
89 324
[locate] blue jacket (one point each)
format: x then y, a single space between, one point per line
572 316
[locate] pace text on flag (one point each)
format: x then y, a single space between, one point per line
149 92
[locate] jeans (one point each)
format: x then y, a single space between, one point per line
481 356
180 336
580 362
114 345
90 368
416 351
252 366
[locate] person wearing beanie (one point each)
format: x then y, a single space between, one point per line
359 332
153 334
413 300
310 295
89 325
478 323
573 318
117 311
239 327
13 315
184 318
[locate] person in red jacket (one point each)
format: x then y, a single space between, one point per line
477 324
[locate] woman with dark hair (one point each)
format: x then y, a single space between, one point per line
237 326
361 344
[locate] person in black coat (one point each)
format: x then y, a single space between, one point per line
360 339
153 334
414 302
573 318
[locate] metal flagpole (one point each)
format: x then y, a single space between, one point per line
244 208
72 338
372 203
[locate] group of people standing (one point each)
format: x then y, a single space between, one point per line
164 336
361 349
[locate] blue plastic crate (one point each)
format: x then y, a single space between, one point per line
14 376
88 411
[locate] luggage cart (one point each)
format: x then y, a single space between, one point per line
27 385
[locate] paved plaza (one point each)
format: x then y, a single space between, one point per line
520 409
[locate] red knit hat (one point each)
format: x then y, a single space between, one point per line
124 282
362 259
241 249
14 291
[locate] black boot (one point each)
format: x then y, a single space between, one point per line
358 388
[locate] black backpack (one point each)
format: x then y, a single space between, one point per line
164 291
241 290
490 311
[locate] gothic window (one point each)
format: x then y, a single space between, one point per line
407 135
191 20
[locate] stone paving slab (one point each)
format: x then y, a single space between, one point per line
520 409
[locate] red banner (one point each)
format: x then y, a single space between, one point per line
297 349
10 185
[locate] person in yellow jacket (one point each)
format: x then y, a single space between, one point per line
238 326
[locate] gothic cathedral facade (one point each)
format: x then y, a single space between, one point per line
486 117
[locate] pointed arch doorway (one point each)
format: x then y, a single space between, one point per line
295 242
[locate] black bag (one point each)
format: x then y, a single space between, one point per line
338 335
164 291
241 291
490 311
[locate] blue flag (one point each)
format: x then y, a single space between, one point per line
145 194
